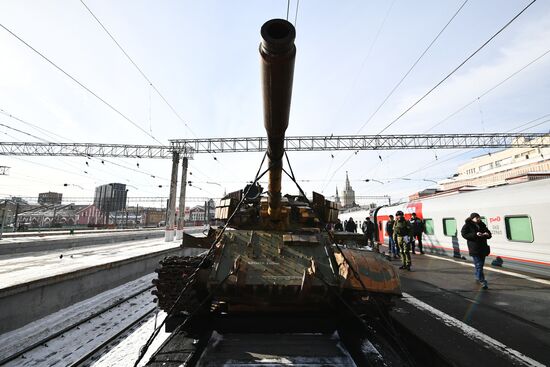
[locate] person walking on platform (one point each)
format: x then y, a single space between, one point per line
476 233
417 228
351 226
368 231
391 243
401 232
338 226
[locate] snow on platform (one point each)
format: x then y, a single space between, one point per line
24 268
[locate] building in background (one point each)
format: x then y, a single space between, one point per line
497 168
348 195
89 215
50 198
154 217
337 199
50 216
203 213
110 198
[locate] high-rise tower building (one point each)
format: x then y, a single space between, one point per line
111 197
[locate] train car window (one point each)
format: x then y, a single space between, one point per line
519 228
429 226
484 220
449 227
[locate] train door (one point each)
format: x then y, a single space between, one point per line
380 222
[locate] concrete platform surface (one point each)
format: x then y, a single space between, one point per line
505 325
24 269
13 235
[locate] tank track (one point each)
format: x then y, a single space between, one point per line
173 274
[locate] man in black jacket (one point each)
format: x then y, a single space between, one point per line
476 233
417 226
392 245
368 231
351 226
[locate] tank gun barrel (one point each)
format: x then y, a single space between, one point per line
278 52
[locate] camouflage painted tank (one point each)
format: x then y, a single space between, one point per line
274 260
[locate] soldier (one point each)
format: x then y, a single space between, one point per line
338 227
402 230
417 228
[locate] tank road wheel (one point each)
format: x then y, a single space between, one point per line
173 275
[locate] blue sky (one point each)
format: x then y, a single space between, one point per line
203 57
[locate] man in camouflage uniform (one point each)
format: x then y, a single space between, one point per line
402 230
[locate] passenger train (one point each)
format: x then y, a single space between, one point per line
518 215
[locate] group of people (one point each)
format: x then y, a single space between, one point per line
348 226
403 235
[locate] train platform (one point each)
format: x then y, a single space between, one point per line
36 243
25 268
33 285
20 268
505 325
73 232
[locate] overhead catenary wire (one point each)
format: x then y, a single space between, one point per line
113 108
43 131
443 80
455 155
392 91
396 86
151 84
355 79
148 80
33 136
41 164
485 93
462 108
296 14
48 132
367 56
24 133
287 8
456 68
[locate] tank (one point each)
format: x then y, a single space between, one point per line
274 266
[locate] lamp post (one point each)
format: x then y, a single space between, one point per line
4 212
126 209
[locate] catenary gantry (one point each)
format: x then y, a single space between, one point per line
89 150
367 142
188 147
184 149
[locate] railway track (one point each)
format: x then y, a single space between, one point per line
77 343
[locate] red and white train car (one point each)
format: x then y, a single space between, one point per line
518 216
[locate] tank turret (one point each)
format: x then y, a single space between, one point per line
274 255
